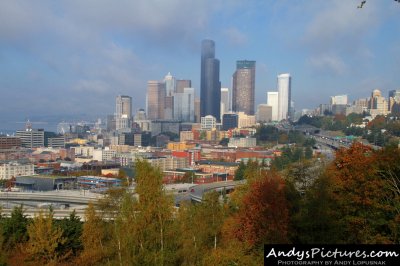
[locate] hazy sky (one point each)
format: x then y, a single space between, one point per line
75 56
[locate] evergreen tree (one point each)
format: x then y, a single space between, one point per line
44 239
239 173
15 228
72 231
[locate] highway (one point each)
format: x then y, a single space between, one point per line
60 196
58 214
324 137
56 198
197 192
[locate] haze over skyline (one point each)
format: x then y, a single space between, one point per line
74 57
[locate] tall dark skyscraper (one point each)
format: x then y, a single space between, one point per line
243 87
210 86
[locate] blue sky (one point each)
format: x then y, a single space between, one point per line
73 57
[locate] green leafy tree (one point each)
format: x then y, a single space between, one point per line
266 133
200 229
308 152
93 238
154 219
317 222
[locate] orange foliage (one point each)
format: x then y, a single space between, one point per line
263 216
360 193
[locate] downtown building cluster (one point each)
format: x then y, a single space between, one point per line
176 130
372 106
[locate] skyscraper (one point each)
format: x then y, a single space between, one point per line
210 86
284 96
181 84
170 84
170 89
123 106
123 112
395 94
184 105
225 103
243 87
155 99
196 110
273 101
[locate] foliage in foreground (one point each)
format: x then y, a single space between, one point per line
354 199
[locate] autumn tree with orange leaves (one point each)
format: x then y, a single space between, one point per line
361 194
263 215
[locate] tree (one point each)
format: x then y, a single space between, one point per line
72 231
317 222
362 196
93 238
15 228
2 243
263 215
252 171
389 170
224 142
308 153
154 217
239 173
44 239
266 133
200 229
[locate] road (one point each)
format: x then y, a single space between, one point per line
60 196
197 192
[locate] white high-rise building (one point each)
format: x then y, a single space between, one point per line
123 112
170 89
284 97
273 101
170 84
208 122
184 105
339 99
225 101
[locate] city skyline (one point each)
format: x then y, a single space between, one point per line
73 57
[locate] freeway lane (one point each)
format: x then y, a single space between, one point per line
197 192
58 214
61 196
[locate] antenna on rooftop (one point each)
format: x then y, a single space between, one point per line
28 125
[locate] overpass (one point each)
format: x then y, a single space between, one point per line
61 197
197 192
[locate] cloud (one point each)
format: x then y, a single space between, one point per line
23 19
95 86
328 63
95 46
339 25
235 36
